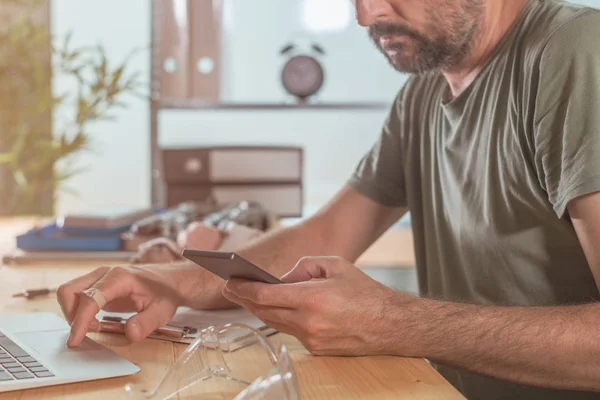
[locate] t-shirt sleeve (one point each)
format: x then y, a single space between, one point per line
380 173
567 116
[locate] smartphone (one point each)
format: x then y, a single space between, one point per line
229 265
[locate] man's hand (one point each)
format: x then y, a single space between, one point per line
153 292
331 306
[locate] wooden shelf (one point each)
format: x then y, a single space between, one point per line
199 105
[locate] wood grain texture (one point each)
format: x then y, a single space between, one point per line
319 377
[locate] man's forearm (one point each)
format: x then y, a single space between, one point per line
556 347
278 252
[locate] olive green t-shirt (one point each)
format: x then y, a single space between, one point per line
487 176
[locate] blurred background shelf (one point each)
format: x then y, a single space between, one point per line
233 72
202 105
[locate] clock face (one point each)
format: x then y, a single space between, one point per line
302 76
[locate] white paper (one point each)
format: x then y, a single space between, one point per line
203 319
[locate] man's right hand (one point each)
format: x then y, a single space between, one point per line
152 293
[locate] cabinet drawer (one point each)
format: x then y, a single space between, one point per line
182 193
233 165
186 166
262 165
281 199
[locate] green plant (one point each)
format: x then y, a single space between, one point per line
34 162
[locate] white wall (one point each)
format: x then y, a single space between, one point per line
590 3
252 40
334 140
118 170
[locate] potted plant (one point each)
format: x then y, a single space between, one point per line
37 151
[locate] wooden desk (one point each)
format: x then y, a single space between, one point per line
319 377
394 249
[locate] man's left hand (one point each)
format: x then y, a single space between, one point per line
331 306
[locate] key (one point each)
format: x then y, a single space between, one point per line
5 376
33 364
45 374
38 369
26 359
12 348
22 375
11 365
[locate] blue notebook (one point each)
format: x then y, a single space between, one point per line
52 238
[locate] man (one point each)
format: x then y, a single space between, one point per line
494 147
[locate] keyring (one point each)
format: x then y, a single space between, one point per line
96 295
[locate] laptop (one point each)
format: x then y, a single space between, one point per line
33 353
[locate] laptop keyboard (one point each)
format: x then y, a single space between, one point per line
16 363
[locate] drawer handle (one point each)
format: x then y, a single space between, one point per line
205 65
193 165
170 65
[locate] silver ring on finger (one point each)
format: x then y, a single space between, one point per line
96 296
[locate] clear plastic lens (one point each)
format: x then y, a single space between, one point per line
278 383
234 361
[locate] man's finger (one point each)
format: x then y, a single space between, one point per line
67 294
114 284
312 268
84 316
94 326
265 294
141 325
123 305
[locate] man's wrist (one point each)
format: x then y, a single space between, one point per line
196 287
432 327
163 278
410 326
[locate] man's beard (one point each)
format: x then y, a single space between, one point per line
441 49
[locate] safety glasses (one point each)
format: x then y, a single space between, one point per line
235 361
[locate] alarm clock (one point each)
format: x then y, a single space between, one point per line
302 75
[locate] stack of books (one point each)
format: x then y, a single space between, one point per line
78 237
